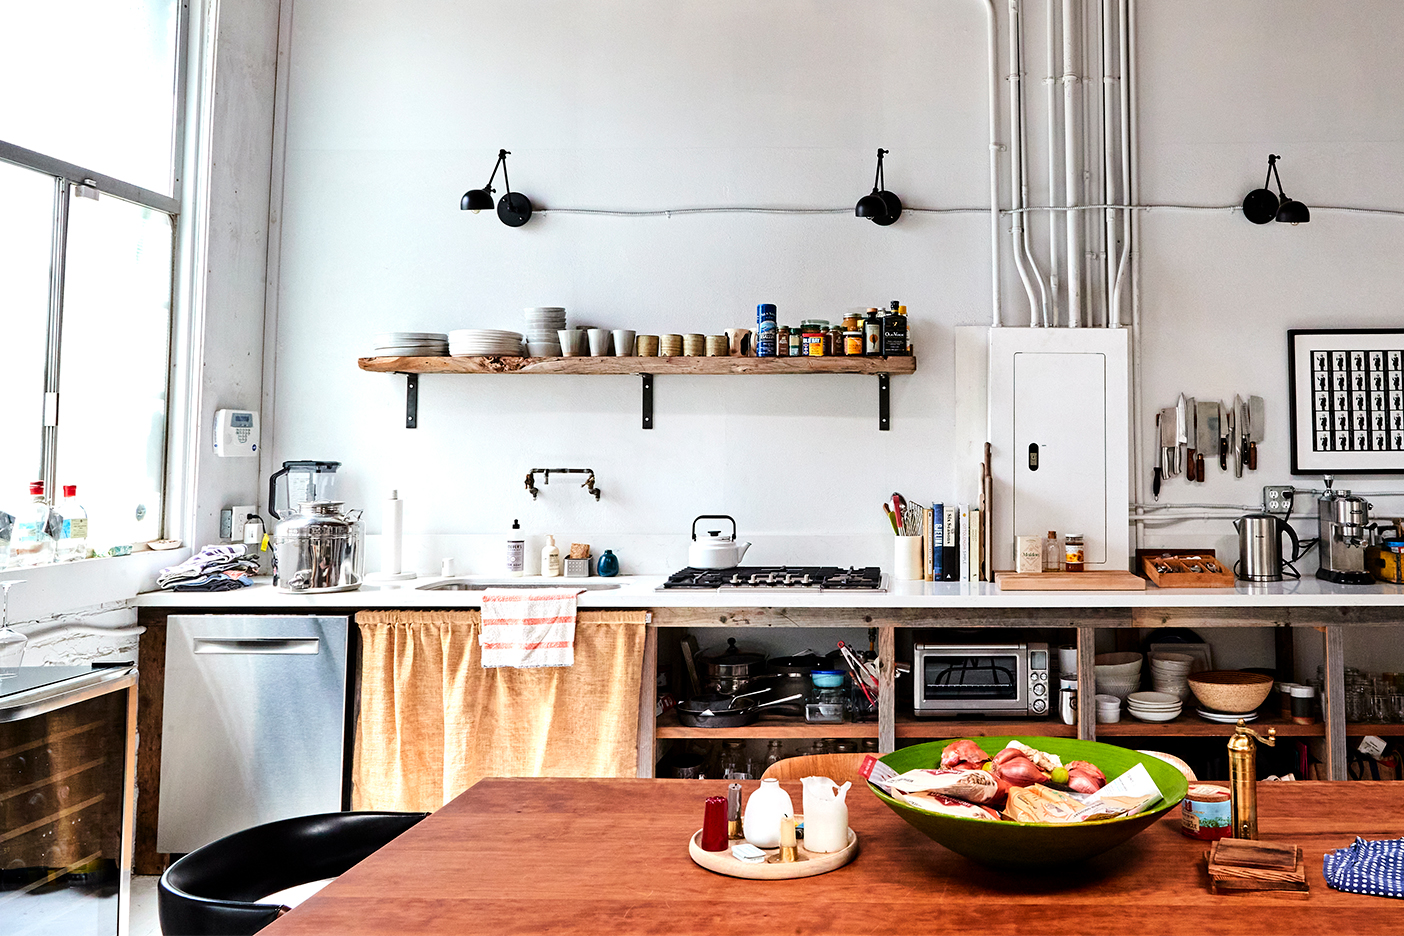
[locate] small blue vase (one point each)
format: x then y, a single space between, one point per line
608 565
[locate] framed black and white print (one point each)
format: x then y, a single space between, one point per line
1347 400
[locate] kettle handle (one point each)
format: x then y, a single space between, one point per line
1283 525
713 517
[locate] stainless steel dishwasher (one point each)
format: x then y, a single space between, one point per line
254 723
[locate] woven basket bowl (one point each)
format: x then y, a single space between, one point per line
1231 691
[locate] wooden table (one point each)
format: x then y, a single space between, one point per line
610 857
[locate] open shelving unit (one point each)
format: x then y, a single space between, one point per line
644 367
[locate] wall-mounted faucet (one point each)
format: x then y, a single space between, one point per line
589 484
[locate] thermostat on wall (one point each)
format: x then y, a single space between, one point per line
235 433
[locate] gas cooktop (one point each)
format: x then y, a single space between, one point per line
781 578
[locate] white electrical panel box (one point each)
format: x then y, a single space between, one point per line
1059 416
236 433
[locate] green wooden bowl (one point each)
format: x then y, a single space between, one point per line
1030 845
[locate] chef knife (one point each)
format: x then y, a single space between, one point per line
1257 422
1231 438
1240 437
1220 428
1160 456
1181 437
1167 442
1206 421
1191 438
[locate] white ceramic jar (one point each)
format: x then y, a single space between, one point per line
825 814
764 810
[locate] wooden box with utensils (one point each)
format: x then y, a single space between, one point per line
1197 571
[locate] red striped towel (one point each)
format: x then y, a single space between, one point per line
528 627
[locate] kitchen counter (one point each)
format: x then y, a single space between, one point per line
641 591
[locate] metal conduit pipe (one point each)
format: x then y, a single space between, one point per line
1023 154
1050 84
992 49
1016 147
1130 162
1070 168
1109 216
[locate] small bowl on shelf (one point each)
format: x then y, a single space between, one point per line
1231 691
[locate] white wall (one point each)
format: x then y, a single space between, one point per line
397 109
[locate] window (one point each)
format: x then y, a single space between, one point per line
90 135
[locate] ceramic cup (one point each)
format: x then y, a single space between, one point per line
646 346
599 342
906 559
694 345
623 342
573 343
670 345
717 346
739 340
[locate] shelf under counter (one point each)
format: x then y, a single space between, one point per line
769 727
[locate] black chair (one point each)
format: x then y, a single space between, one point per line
214 890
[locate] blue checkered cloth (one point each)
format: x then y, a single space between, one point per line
1367 867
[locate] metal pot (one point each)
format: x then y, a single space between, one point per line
699 713
790 675
734 663
320 549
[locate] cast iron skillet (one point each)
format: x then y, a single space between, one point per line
735 714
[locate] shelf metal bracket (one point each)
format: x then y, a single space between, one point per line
411 401
884 403
647 400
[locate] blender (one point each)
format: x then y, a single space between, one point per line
298 483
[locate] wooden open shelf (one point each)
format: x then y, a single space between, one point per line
1189 725
768 727
910 726
639 365
1383 729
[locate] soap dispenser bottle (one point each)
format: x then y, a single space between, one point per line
550 559
516 551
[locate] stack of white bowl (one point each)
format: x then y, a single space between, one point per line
1170 674
1118 674
1108 709
1154 706
484 342
411 344
542 324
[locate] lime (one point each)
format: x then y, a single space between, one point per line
1059 775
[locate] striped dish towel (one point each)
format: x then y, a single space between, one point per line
528 627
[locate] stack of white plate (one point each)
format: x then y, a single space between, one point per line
484 342
1225 718
1153 706
411 344
1170 674
542 324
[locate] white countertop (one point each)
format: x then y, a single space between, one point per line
640 591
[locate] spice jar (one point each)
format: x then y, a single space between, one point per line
796 342
782 341
1206 812
851 322
853 342
1073 552
815 331
834 344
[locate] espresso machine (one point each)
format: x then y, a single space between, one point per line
1345 533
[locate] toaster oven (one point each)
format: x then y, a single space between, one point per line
980 679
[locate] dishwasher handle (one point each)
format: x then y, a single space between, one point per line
255 645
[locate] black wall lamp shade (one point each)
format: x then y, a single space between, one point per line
1261 205
513 209
879 206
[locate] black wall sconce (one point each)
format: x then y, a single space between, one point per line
514 208
881 206
1261 206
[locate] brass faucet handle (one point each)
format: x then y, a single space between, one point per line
1243 730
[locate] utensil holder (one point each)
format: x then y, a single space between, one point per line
906 559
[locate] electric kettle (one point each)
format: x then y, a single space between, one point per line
1260 547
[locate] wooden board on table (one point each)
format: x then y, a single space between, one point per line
811 863
1069 581
1237 866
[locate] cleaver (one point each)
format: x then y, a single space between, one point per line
1206 435
1257 422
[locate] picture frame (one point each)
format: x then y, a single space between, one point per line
1347 400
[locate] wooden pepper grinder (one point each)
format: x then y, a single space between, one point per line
1243 778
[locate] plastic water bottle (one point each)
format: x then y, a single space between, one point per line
32 543
73 526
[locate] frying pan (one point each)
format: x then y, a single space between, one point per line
742 712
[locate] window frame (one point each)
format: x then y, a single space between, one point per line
66 176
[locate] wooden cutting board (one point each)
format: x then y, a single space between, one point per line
1069 581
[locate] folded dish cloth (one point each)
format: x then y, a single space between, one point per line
214 568
528 627
1367 868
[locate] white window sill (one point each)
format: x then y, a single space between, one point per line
67 587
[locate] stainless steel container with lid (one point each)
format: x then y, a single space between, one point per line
319 549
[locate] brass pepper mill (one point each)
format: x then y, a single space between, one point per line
1243 778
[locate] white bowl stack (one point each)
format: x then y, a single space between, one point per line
1154 706
1108 709
484 342
411 344
1170 674
542 323
1118 674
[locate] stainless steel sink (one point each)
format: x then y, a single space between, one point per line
466 585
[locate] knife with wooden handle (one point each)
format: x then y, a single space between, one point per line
1207 435
1191 437
1257 423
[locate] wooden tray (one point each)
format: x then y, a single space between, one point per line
1182 577
1069 581
814 862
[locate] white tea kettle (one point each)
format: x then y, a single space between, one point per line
714 551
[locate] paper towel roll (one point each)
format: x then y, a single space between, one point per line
392 534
